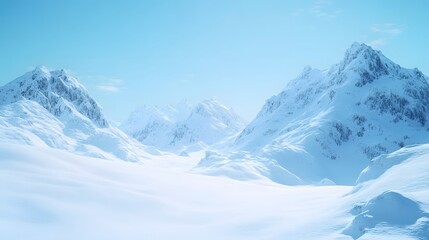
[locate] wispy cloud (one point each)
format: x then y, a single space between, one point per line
109 85
187 78
378 42
386 28
383 33
107 88
324 8
104 83
319 9
298 12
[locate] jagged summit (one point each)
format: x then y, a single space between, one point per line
362 49
40 69
360 59
361 52
56 91
211 108
366 62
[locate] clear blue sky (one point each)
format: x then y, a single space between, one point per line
130 53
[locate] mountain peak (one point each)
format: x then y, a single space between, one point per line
359 51
211 102
364 60
356 46
360 48
56 91
40 69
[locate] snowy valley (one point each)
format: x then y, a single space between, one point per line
341 153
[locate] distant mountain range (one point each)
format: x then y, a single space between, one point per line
183 126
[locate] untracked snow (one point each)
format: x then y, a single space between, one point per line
51 194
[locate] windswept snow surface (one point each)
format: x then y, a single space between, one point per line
52 194
329 124
48 193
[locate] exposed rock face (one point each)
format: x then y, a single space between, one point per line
56 91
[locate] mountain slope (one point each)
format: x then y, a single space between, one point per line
331 123
183 126
51 108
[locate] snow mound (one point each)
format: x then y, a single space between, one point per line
389 208
243 166
409 175
382 163
183 127
405 172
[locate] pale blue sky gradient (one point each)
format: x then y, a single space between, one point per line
130 53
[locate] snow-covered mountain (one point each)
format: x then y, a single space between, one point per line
331 123
52 108
56 91
183 126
